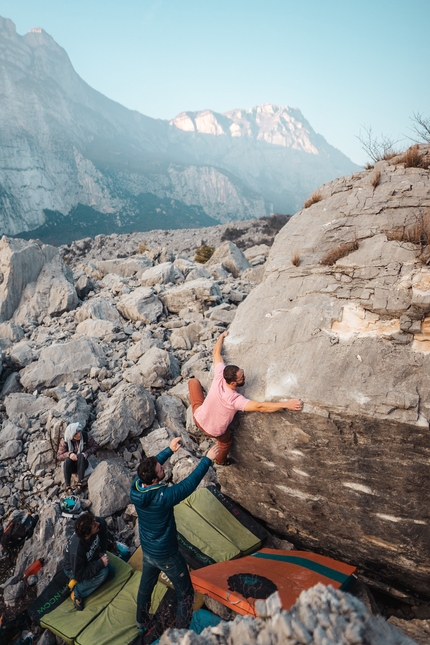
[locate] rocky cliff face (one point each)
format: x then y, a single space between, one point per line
341 320
75 162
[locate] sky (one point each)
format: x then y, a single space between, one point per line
346 65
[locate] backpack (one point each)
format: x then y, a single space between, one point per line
70 506
18 530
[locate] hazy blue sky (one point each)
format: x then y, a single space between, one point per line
342 63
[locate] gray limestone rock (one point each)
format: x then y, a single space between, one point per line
142 304
47 291
231 257
96 328
52 531
327 331
321 615
125 268
12 384
12 593
156 367
142 346
40 456
10 432
63 363
99 308
83 286
10 449
159 274
155 441
184 265
224 314
127 413
187 336
22 354
417 630
109 488
11 331
201 293
171 412
184 463
32 406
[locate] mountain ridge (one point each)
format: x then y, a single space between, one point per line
64 144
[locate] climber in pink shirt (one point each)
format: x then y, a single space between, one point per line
214 413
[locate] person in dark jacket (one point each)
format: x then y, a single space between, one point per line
154 501
85 558
74 451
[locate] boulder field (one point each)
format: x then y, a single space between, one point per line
337 312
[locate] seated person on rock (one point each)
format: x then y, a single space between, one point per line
74 451
214 413
85 558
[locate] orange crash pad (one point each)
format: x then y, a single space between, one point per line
239 583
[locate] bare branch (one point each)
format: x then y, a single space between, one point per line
421 127
377 149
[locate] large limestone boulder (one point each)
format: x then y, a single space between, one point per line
96 328
154 368
35 281
342 320
231 257
201 293
99 308
63 363
54 530
109 488
22 354
18 404
125 268
160 274
141 304
127 413
321 615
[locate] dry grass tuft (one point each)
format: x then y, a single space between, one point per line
295 259
339 252
313 199
142 248
204 253
376 178
368 166
416 233
413 159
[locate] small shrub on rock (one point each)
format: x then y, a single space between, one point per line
413 159
418 233
231 234
142 248
339 252
204 253
376 178
313 199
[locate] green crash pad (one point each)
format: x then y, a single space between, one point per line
208 525
203 535
116 625
205 504
67 623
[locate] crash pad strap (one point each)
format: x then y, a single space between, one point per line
342 578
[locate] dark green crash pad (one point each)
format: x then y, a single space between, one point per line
67 623
205 525
116 625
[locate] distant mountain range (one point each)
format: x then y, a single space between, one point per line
74 163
